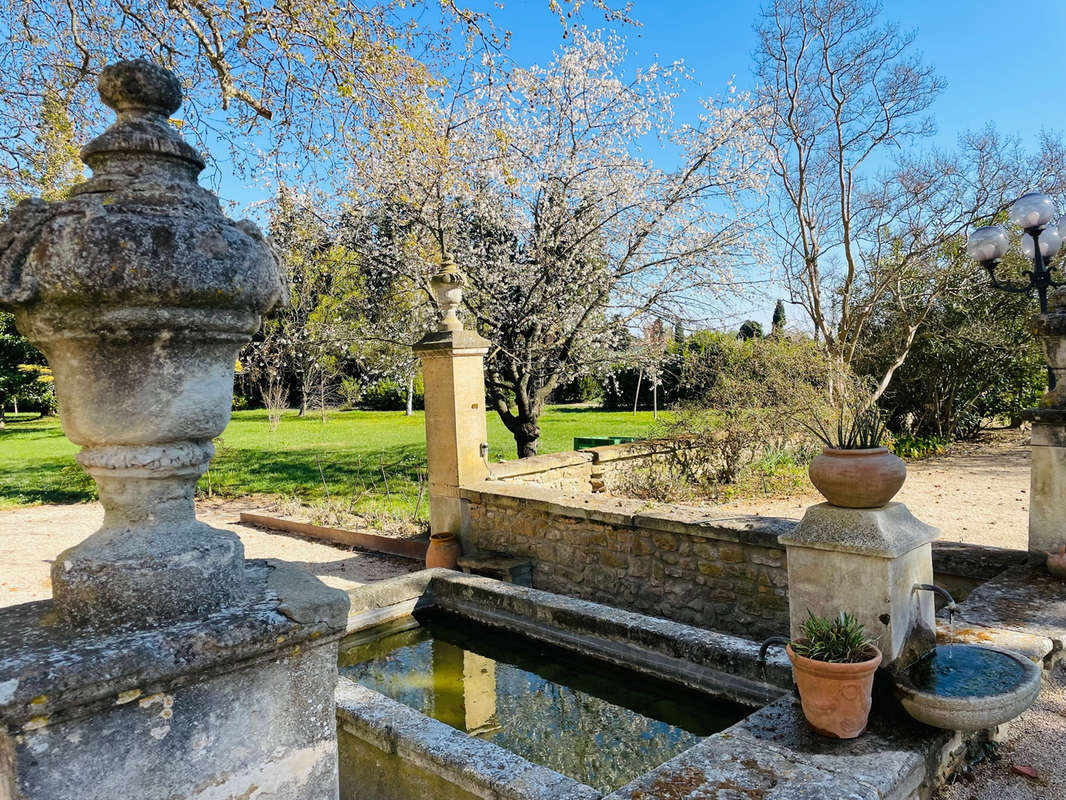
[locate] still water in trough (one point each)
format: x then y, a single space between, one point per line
595 722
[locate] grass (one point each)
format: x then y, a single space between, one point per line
368 462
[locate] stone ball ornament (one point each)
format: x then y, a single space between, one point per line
140 293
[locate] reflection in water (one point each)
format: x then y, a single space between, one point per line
962 670
594 722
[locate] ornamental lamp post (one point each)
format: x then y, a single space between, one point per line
1041 241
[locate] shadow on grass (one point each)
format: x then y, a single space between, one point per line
301 473
50 481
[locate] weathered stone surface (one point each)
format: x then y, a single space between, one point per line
140 293
392 752
866 562
894 757
202 709
1047 522
728 574
723 767
1023 599
887 532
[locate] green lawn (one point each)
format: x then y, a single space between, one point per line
357 453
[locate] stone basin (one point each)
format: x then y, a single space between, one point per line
968 687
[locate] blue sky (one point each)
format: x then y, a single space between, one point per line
988 52
1002 62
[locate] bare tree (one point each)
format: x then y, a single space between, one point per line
858 225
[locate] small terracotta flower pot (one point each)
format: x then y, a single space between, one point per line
835 697
443 551
858 478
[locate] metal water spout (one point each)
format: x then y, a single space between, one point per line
778 640
952 606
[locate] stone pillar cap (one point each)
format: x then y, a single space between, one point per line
452 340
886 532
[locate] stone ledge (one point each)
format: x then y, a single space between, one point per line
1023 599
716 662
627 451
724 766
629 513
886 532
974 560
484 768
49 673
892 757
535 465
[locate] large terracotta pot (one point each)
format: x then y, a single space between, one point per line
858 478
835 697
443 551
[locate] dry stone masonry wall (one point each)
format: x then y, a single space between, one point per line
727 574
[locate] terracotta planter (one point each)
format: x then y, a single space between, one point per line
443 551
835 697
858 478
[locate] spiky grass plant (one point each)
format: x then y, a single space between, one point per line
858 427
842 640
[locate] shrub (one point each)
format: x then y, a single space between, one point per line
755 391
388 395
841 640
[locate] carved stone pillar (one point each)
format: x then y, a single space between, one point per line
453 369
165 666
1047 498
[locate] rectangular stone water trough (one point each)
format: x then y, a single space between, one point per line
389 751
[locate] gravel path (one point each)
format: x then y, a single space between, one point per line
30 538
976 493
1036 740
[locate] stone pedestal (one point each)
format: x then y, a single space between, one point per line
239 704
866 562
165 667
453 363
1047 499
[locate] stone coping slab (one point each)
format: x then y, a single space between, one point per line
975 561
479 767
630 513
886 532
534 465
49 672
627 451
1023 599
771 755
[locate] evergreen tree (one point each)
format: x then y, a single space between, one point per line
779 319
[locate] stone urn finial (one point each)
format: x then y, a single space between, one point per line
140 293
448 291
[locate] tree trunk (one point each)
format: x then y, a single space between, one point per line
527 436
410 410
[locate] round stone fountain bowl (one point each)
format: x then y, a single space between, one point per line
967 687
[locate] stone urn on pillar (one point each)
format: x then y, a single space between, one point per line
140 293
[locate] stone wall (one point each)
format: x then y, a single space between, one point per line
724 573
597 469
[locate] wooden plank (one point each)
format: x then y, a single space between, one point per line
405 548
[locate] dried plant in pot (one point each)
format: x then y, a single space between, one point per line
833 665
855 469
